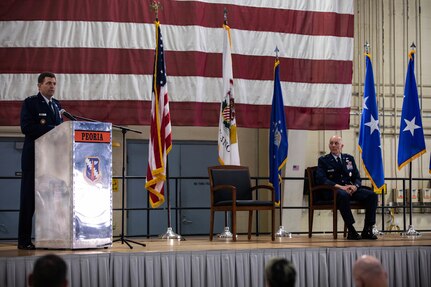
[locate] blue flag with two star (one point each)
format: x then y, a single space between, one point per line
411 144
278 144
369 131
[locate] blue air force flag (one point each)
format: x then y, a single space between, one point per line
411 143
278 144
369 131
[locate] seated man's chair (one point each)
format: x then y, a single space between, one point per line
231 190
317 202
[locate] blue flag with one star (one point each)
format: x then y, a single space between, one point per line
411 143
369 131
278 144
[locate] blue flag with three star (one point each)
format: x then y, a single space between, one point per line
278 144
369 131
411 144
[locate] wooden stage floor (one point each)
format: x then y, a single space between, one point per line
320 260
192 243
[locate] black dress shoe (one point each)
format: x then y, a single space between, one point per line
29 246
353 236
368 234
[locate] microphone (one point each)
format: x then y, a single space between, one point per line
67 115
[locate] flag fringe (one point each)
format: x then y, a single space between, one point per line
368 174
282 164
412 158
161 198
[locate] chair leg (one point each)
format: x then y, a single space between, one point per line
335 216
250 222
310 222
211 225
273 224
234 225
345 231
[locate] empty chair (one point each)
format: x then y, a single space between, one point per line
231 190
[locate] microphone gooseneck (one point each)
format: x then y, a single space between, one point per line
67 115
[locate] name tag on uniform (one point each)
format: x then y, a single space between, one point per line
330 170
42 114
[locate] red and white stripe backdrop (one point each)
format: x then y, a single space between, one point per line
103 51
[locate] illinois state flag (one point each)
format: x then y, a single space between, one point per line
411 143
369 131
278 144
228 152
160 142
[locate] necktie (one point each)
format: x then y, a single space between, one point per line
53 109
339 162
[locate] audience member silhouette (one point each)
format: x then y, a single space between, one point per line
369 272
280 272
49 271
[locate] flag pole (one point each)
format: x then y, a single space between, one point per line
411 230
410 185
363 138
169 234
226 234
281 232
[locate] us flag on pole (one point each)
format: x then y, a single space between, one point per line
102 54
160 142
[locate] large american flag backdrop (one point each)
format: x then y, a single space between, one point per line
102 53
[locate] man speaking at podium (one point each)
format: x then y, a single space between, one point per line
39 114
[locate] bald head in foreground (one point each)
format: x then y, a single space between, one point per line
369 272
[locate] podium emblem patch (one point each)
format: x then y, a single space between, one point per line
92 169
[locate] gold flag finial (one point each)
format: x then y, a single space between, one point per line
156 6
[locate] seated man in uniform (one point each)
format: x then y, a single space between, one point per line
339 170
